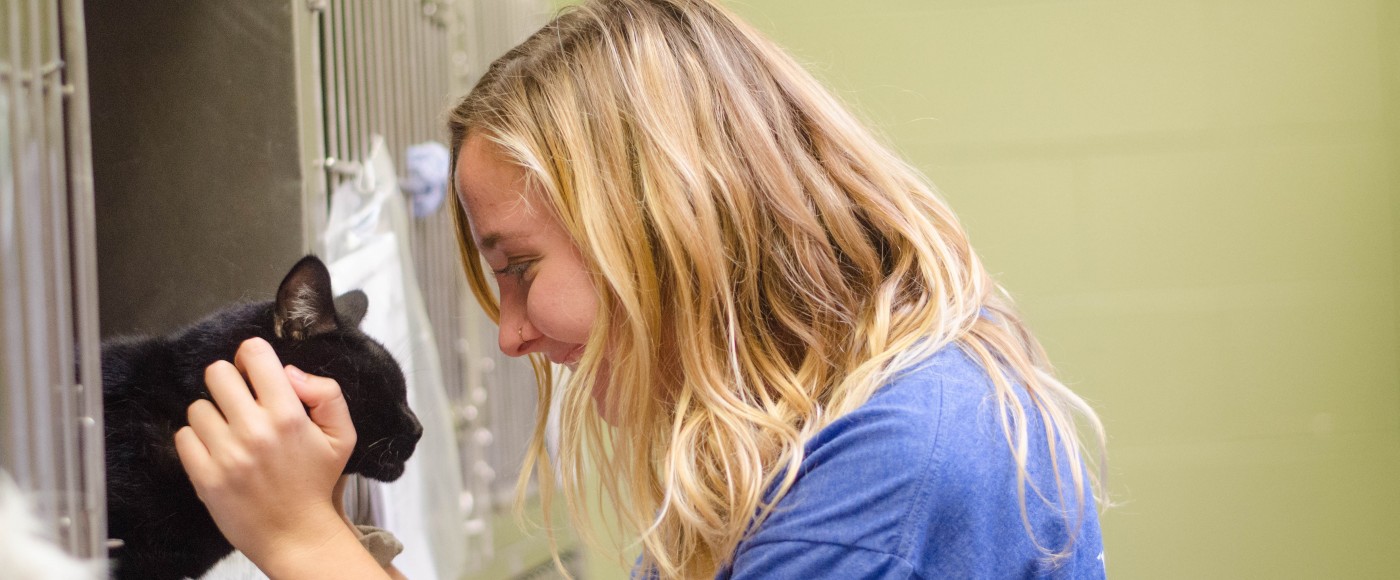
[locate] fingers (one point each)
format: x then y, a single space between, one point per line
229 390
256 360
325 403
208 424
193 454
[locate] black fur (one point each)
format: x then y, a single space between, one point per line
149 382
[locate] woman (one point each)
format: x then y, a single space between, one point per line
787 360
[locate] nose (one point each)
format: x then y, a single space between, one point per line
517 337
415 427
402 447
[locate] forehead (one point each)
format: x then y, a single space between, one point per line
494 192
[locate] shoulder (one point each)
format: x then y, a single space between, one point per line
920 478
874 466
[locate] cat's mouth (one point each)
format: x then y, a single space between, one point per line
383 460
385 473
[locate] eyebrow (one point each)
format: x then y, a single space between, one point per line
491 240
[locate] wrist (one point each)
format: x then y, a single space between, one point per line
325 548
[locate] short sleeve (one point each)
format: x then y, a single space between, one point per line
919 482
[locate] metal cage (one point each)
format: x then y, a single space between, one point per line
50 396
218 130
217 124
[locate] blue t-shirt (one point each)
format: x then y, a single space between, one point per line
920 483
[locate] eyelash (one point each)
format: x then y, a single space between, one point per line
517 269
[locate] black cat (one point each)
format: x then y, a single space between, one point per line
149 382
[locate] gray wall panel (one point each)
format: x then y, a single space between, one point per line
196 160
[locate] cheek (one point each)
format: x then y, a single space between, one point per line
562 305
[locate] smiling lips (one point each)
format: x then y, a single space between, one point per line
571 359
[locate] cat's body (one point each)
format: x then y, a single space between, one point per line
148 383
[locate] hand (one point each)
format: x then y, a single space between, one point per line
263 467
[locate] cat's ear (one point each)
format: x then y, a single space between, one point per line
351 307
304 305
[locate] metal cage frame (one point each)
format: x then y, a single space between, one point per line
50 396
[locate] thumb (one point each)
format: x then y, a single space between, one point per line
325 404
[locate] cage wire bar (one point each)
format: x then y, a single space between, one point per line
394 68
50 389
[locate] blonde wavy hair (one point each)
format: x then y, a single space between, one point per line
732 211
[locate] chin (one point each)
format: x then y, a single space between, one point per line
384 473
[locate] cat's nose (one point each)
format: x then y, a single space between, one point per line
405 443
416 431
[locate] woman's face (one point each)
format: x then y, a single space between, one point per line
547 297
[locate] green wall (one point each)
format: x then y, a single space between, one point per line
1197 204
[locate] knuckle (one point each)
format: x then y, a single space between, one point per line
288 422
206 486
260 438
235 462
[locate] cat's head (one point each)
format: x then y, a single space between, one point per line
320 335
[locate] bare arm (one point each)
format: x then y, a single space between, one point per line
338 499
340 557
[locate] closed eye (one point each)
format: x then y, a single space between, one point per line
517 269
